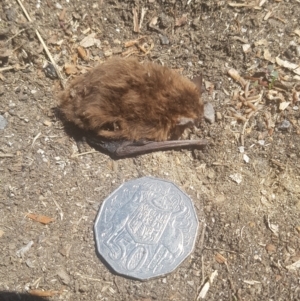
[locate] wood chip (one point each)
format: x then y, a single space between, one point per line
297 31
207 285
136 27
235 75
291 66
220 258
40 218
283 105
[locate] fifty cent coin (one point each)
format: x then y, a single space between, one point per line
146 228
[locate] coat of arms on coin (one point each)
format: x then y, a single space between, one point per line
146 228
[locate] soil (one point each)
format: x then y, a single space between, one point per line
249 194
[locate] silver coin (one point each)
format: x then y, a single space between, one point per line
146 228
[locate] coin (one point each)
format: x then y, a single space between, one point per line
146 228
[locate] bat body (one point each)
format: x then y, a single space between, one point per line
133 107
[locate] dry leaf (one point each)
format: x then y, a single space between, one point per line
294 266
181 21
40 218
82 53
268 56
270 248
70 69
89 41
62 15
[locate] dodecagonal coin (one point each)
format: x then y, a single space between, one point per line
146 228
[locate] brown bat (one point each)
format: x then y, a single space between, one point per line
133 108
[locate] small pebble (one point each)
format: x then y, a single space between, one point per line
237 178
246 158
209 112
261 142
50 71
3 123
164 40
285 124
23 97
63 275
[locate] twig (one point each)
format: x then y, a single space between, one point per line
224 250
135 20
14 35
44 46
93 279
6 155
243 132
35 138
82 154
143 13
7 68
61 213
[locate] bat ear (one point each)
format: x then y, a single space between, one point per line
198 82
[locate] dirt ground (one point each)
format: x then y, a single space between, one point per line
246 183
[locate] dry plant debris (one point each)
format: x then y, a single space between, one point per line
207 284
43 219
256 91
